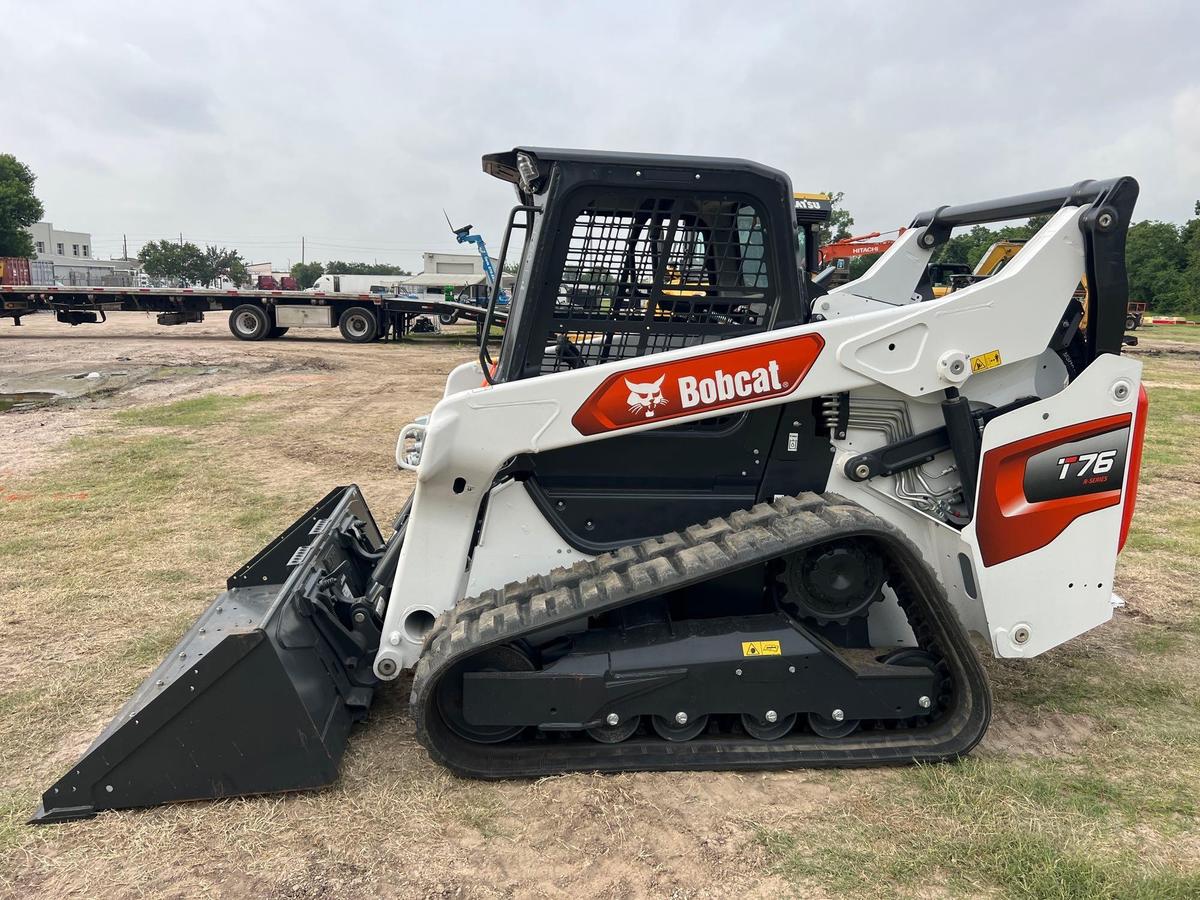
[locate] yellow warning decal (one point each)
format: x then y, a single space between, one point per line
985 361
760 648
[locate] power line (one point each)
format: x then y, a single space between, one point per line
397 248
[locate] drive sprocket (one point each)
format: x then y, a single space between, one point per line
832 583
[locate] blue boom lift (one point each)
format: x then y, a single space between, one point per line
463 236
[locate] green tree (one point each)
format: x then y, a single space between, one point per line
194 265
161 259
1190 238
19 207
860 264
306 274
237 271
1157 260
217 263
839 222
167 260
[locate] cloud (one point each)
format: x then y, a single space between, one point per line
354 125
1185 133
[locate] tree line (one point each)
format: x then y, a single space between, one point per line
306 274
1164 265
167 260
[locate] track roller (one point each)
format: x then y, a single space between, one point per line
765 729
614 734
677 731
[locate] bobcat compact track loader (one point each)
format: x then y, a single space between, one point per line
699 513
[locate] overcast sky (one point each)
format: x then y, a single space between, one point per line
250 124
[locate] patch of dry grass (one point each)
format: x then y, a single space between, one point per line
1183 334
95 588
1117 815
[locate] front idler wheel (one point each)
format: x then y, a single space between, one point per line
765 730
504 658
916 658
913 657
675 730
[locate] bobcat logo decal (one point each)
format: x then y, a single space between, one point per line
645 397
700 383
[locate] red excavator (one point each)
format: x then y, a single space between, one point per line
861 245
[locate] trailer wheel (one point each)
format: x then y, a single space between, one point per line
277 332
249 322
358 325
1131 323
448 318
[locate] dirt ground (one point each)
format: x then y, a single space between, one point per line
177 452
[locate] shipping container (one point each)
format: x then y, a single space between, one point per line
14 270
41 271
271 283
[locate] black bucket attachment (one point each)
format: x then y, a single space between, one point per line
260 694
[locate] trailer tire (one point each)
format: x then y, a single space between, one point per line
277 332
448 318
358 325
250 322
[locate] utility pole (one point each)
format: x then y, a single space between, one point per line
181 239
125 247
301 251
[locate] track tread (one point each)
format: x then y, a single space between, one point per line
668 562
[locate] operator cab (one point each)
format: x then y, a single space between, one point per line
629 256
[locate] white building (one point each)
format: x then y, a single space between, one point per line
461 272
74 264
264 268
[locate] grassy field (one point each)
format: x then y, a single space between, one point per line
1088 786
1103 802
1188 334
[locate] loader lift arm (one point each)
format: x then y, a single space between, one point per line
1104 224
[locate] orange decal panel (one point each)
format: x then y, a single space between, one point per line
1135 465
714 381
1032 489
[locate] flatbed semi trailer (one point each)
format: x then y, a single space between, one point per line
254 314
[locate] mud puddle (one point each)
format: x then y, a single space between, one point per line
55 386
25 399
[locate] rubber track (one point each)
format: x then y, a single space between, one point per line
676 560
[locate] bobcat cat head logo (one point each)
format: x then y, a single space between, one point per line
645 397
